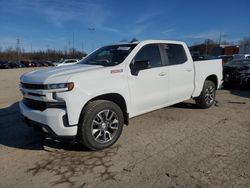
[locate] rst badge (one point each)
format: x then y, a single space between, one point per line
116 71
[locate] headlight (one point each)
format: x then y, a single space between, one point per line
68 86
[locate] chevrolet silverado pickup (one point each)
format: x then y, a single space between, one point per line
91 101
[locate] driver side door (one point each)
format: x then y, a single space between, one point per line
149 88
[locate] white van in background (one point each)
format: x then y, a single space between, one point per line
66 62
241 56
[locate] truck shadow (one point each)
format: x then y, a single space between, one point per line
187 105
15 133
238 90
241 93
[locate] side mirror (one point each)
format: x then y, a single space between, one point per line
136 66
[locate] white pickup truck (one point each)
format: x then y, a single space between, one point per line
91 101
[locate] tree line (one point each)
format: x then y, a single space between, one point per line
18 54
10 54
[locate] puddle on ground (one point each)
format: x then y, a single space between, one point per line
67 165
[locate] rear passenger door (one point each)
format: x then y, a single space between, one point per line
181 73
149 88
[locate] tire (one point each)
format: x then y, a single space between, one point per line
100 124
207 96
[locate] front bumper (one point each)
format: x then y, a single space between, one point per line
54 119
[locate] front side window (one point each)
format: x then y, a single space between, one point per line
175 53
151 54
109 55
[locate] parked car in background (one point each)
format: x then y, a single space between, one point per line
24 63
4 65
16 64
237 73
203 57
241 56
226 58
48 63
11 64
41 63
37 63
28 63
66 62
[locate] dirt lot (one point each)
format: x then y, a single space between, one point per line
178 146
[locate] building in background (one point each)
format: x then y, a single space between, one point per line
244 49
212 49
225 50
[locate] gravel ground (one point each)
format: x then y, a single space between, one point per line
178 146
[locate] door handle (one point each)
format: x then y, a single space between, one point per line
162 74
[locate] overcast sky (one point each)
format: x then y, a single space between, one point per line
41 24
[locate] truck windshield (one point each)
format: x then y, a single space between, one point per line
109 55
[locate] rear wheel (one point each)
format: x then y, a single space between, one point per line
207 96
101 124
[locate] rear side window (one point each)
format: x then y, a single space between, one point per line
151 53
175 53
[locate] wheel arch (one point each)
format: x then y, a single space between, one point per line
117 99
213 78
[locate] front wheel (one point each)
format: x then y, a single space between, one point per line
100 125
207 96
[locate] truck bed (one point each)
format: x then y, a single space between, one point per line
203 69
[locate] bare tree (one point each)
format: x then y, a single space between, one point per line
245 45
245 41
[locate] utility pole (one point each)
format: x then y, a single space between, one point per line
31 47
92 29
222 35
18 48
73 43
48 51
220 39
248 46
68 49
82 47
206 46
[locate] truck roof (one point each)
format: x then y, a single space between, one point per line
151 41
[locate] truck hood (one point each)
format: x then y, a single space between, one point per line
56 74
